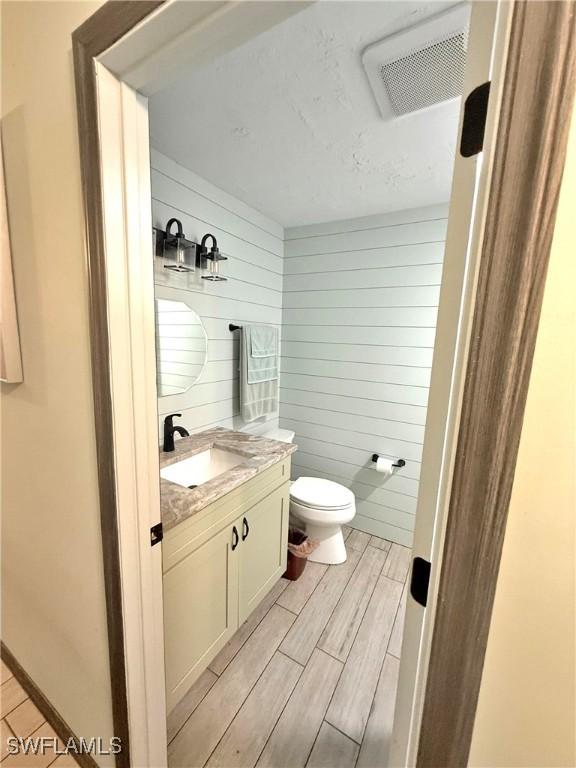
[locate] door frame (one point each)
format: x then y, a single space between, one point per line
110 23
487 50
529 154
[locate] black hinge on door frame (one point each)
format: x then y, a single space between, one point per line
474 120
156 534
420 580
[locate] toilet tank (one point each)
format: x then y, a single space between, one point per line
283 435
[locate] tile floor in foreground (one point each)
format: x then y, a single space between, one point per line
21 717
310 679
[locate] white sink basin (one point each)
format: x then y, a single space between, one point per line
202 467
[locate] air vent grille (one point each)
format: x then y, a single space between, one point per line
427 76
420 66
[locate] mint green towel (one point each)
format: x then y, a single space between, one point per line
258 371
262 347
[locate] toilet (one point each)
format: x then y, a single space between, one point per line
322 506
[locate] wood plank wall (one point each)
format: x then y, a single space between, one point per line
359 315
356 302
253 293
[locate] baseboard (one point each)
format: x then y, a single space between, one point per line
53 718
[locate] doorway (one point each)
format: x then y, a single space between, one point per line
141 455
332 212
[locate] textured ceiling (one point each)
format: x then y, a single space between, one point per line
287 122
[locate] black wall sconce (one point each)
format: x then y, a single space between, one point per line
186 255
214 257
178 249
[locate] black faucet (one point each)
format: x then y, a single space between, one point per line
169 430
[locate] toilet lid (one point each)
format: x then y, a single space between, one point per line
320 494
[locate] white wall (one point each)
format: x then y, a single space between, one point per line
53 605
359 314
252 294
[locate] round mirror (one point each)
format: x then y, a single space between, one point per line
181 347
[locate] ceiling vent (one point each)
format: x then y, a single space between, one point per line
421 66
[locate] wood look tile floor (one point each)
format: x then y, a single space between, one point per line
310 679
21 718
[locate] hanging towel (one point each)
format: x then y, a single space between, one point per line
262 346
263 340
258 374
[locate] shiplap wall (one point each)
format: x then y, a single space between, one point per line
252 294
357 309
359 313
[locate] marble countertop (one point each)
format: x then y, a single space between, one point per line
178 503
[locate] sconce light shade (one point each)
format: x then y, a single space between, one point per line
213 273
213 257
177 249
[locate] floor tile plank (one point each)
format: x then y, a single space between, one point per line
350 706
357 540
395 644
64 761
22 760
398 562
5 734
378 735
194 744
376 541
11 695
219 664
293 737
189 702
334 750
5 671
25 719
296 594
308 627
268 709
341 630
246 737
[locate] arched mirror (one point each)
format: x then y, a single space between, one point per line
181 347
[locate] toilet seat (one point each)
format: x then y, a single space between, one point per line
322 495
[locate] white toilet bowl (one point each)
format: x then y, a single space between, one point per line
324 507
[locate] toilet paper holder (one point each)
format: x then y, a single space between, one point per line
397 464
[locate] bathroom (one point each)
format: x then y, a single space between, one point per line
140 632
298 208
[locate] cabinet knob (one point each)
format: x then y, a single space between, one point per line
235 538
245 529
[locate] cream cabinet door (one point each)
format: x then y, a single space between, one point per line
200 610
262 551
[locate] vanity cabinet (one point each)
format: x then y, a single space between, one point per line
218 566
262 561
200 609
